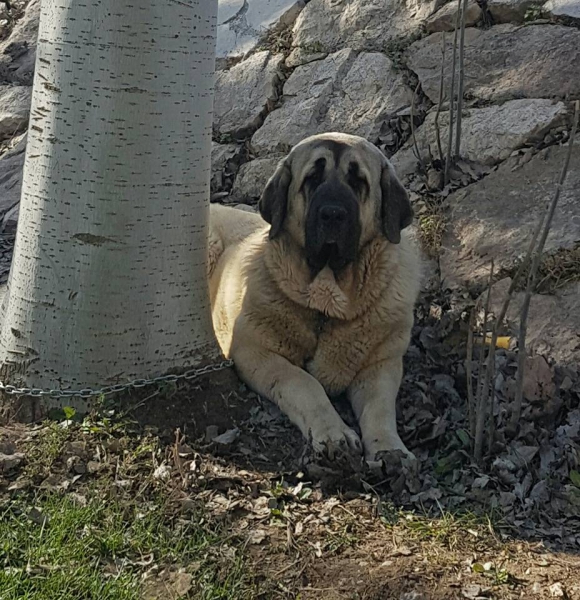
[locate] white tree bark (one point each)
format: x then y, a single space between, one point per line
108 281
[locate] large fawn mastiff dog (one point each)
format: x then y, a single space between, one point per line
315 296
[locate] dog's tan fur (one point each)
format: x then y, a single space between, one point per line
297 340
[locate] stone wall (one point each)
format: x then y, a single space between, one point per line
291 68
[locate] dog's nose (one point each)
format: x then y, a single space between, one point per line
332 215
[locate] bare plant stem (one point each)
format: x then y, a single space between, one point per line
469 373
461 79
491 424
490 364
532 276
415 146
441 78
481 399
452 96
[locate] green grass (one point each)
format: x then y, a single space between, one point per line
100 550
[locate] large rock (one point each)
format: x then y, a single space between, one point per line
514 11
495 217
18 51
346 92
14 109
11 167
553 321
446 17
225 160
252 178
563 8
488 135
241 23
332 25
505 62
245 93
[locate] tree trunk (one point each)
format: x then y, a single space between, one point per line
108 281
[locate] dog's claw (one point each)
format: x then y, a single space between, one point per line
336 443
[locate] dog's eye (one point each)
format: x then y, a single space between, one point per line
314 178
355 180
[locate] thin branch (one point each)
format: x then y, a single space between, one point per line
415 146
461 79
532 276
481 400
491 424
469 373
505 306
441 78
452 96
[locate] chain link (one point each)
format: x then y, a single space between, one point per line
119 387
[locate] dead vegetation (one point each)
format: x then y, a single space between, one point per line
530 269
125 512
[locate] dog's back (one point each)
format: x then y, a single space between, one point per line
227 227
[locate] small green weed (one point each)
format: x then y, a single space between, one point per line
45 449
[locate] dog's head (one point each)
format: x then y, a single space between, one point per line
332 194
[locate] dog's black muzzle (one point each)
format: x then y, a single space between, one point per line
332 227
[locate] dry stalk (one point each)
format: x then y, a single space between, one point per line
532 275
481 398
491 424
441 78
469 373
415 146
461 79
452 96
490 364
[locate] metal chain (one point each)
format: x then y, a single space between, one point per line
114 389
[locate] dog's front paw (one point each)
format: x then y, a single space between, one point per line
375 448
332 442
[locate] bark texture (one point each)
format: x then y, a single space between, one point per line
108 280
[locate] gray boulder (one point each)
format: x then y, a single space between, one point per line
553 321
563 8
225 160
14 109
18 51
245 93
11 167
446 17
505 62
330 25
252 178
488 135
514 11
345 92
495 217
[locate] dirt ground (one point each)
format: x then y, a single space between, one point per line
304 530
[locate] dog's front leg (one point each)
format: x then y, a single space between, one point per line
299 396
373 396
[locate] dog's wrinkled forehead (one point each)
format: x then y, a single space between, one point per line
341 154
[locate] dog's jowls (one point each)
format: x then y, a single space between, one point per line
315 296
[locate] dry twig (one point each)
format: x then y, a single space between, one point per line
469 373
452 97
532 275
441 78
481 398
415 146
461 79
487 376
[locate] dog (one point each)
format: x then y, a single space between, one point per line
314 296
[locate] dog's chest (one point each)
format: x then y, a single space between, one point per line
339 354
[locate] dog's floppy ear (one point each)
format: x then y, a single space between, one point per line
274 201
396 211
